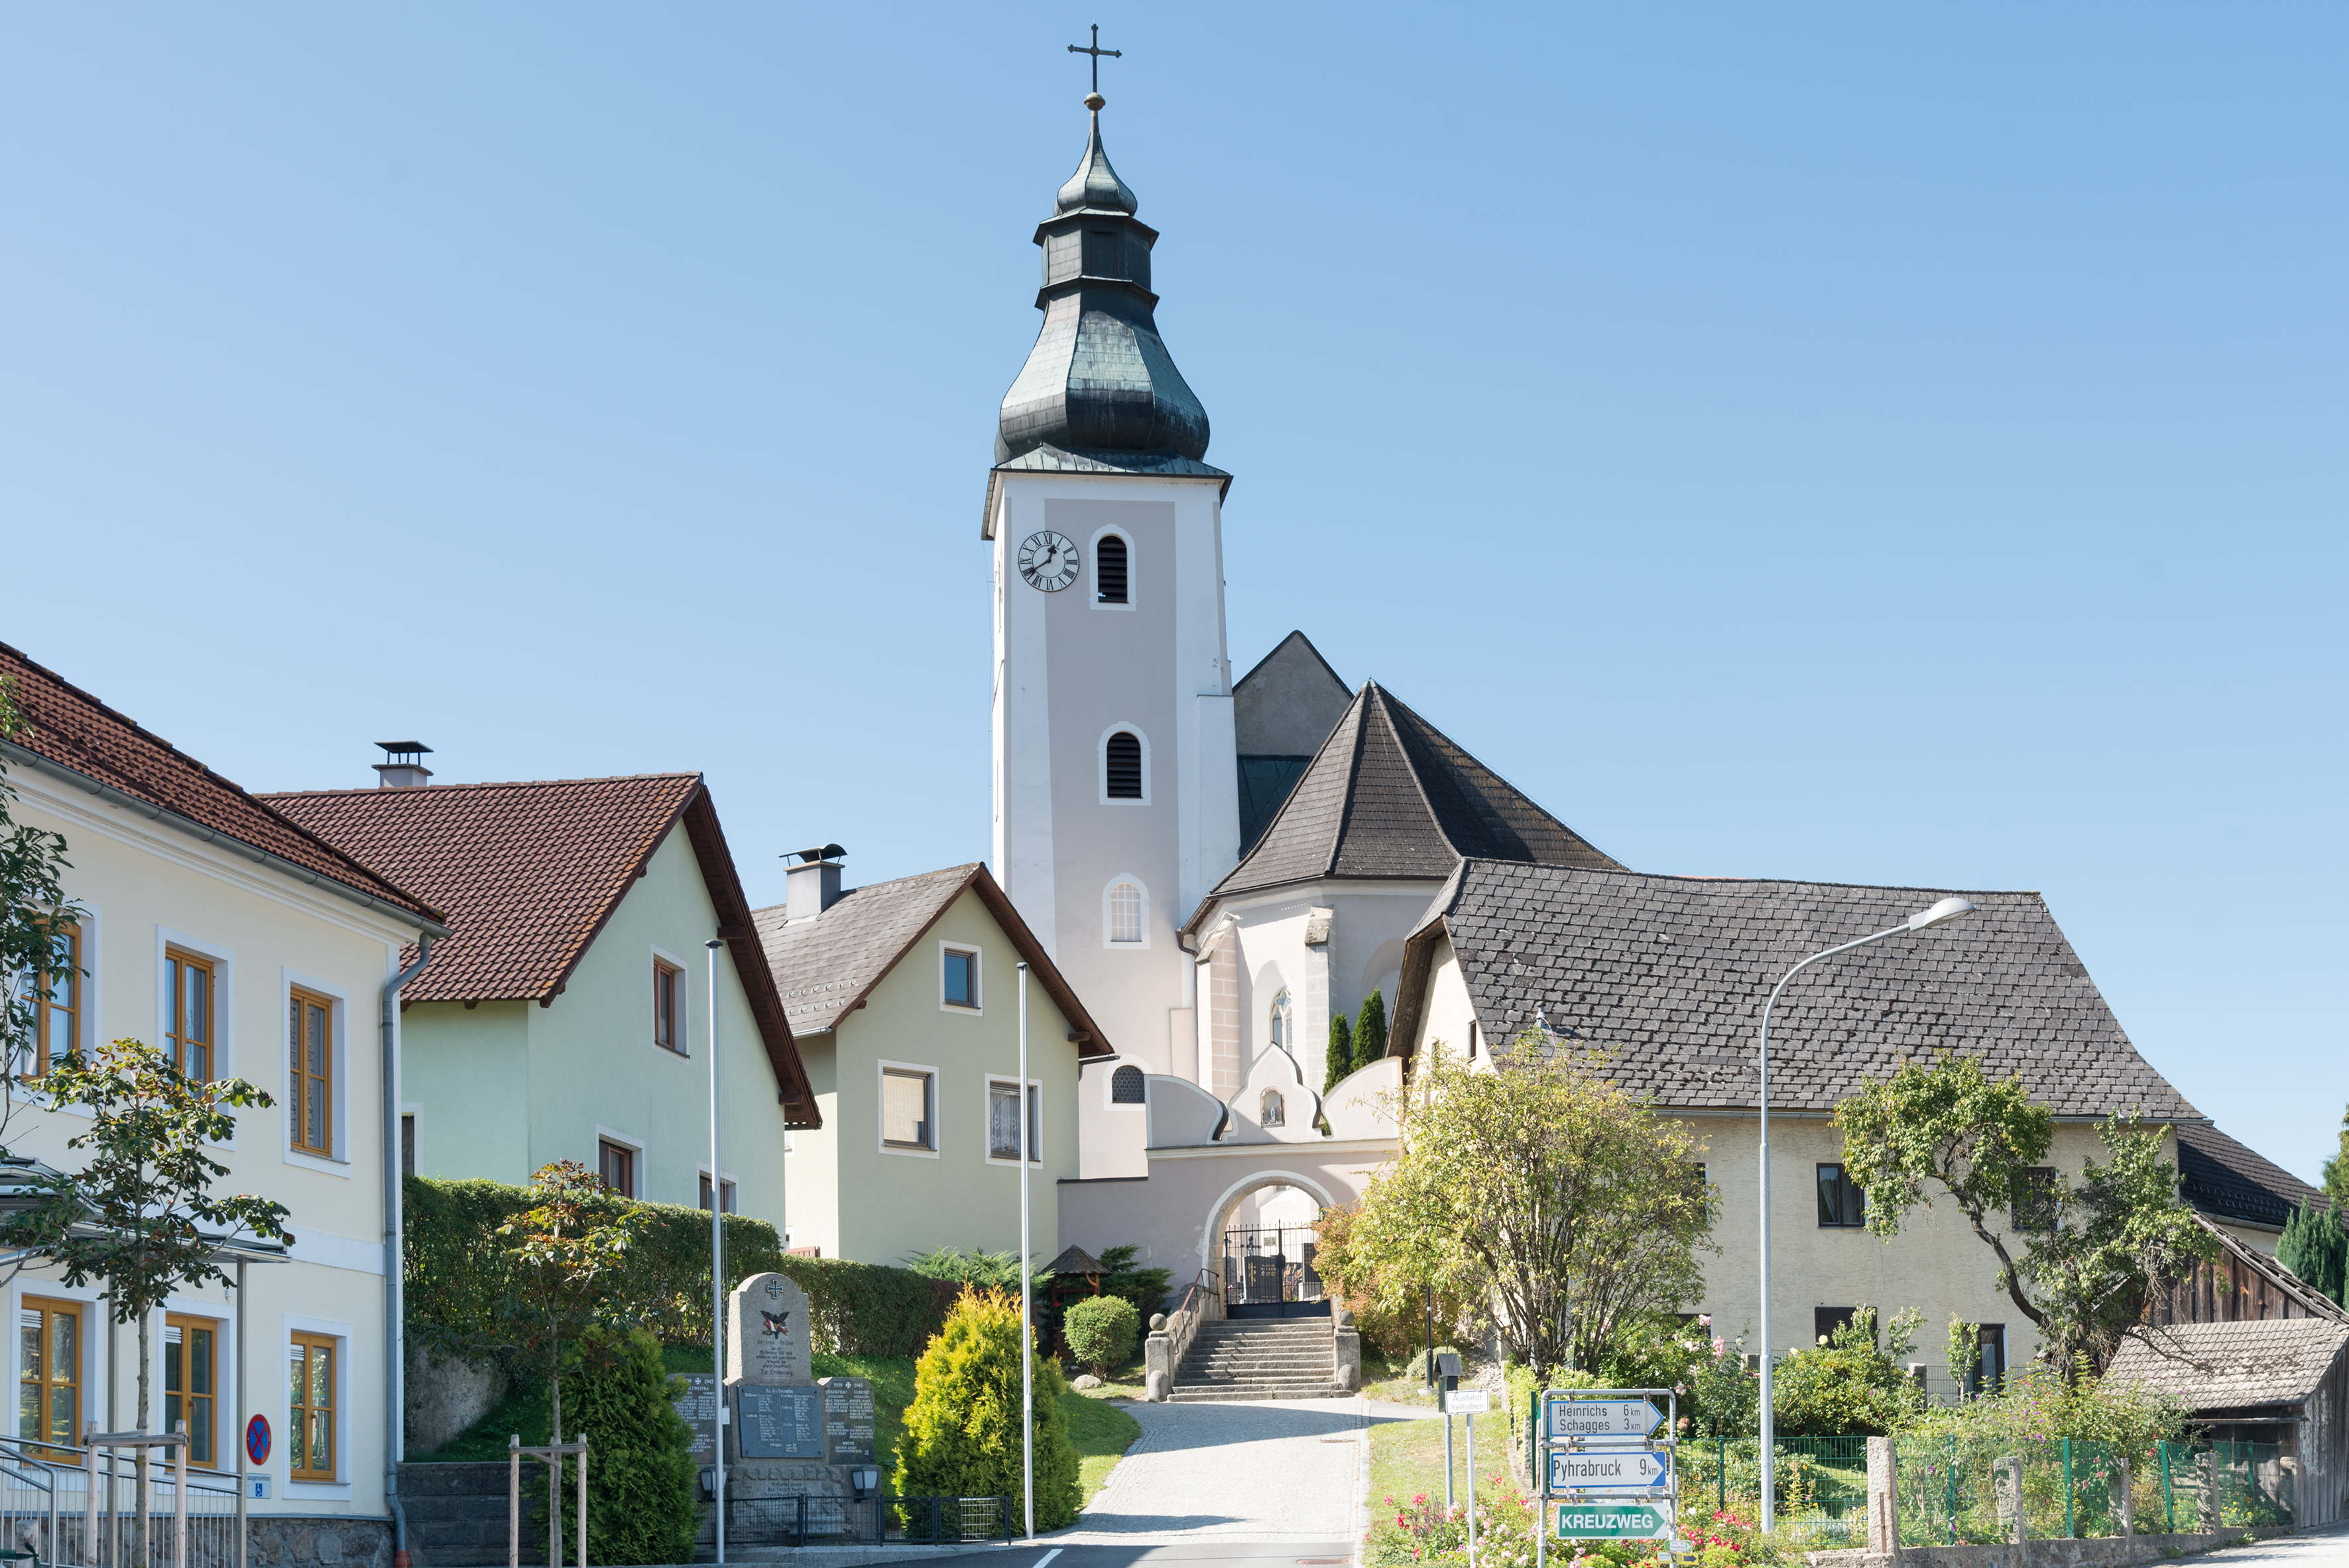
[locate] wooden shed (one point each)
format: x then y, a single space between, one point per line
2280 1380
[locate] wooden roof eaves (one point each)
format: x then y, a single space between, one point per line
545 994
793 1090
1064 997
2312 1300
1418 957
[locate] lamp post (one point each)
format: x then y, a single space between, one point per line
1942 914
1026 1337
716 1264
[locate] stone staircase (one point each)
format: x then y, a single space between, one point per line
1260 1359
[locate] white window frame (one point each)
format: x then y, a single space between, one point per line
684 1051
341 1333
1092 553
626 1141
977 978
223 959
881 1109
1101 764
1109 917
338 1053
1036 1127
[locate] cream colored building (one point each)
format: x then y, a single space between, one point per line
214 928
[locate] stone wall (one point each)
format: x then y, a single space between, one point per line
277 1542
2104 1551
446 1395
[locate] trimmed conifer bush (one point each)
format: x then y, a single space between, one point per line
1342 1051
1100 1331
641 1501
2314 1246
1371 1031
962 1431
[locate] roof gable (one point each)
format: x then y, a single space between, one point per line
72 730
1670 973
1391 796
824 967
2233 1365
2231 1181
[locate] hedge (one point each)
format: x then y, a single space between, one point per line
456 1276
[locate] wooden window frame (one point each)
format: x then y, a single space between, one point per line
203 1432
47 1008
177 961
301 1406
45 1386
668 1021
308 1137
630 1156
1035 1106
929 1123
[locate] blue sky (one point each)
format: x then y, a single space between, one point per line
1861 443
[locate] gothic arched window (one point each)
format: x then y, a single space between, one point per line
1274 1113
1281 1026
1125 1086
1109 570
1121 765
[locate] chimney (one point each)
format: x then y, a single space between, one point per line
814 882
403 766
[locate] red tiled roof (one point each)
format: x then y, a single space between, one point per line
530 872
73 729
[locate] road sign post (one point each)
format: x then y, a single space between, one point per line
1609 1460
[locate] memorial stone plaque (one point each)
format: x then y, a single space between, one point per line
698 1403
847 1419
1264 1278
767 1332
779 1423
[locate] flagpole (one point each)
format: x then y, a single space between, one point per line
1027 1335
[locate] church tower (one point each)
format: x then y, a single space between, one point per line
1115 785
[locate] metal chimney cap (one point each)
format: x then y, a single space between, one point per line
821 852
405 748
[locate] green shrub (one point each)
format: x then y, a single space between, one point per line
1146 1288
993 1271
962 1431
457 1275
1844 1385
640 1470
1101 1333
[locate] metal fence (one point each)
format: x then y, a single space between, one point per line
880 1520
1953 1491
45 1509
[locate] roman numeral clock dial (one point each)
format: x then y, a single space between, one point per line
1049 561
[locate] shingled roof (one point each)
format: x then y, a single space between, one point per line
2230 1180
2213 1367
75 734
1391 796
1671 972
825 966
531 873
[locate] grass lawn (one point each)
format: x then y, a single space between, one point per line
1407 1459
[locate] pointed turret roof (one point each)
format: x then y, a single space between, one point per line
1391 796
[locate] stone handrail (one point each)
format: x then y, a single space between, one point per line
1171 1336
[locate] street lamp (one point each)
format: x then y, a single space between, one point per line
1942 914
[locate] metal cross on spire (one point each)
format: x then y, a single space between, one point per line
1096 51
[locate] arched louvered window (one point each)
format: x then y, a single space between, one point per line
1109 570
1274 1113
1124 912
1123 763
1125 1086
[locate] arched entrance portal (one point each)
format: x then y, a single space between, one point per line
1260 1242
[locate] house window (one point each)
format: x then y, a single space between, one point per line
668 1031
1272 1113
408 1144
1109 570
57 1017
310 1426
190 1385
1698 1190
1843 1205
49 1371
1124 912
1279 1026
1990 1371
1003 1121
1125 1086
1121 765
616 1164
188 984
2034 1199
725 1195
908 1097
959 977
310 1078
1825 1320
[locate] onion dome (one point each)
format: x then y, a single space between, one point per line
1099 388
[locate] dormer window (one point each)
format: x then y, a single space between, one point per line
1121 765
1109 571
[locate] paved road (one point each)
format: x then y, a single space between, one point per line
2325 1548
1284 1471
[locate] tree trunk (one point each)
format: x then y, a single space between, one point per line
139 1552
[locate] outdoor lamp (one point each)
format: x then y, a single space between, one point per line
1942 914
865 1479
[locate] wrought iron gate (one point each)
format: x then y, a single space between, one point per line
1268 1273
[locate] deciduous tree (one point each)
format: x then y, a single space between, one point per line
565 1257
1540 1187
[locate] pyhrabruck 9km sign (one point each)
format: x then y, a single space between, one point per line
1618 1469
1614 1521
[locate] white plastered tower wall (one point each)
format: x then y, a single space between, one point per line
1069 671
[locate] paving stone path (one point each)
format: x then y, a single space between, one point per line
1274 1470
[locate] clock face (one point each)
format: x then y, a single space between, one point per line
1049 561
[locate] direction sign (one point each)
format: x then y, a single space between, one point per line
1622 1420
1605 1469
1614 1521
